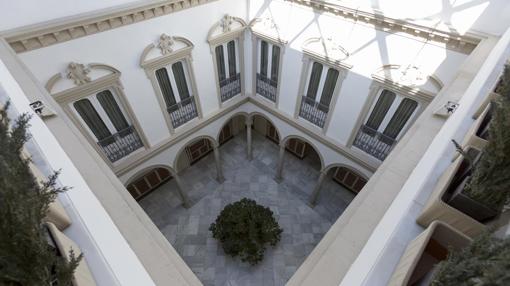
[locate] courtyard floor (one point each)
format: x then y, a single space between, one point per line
303 226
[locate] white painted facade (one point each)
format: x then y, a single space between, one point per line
369 49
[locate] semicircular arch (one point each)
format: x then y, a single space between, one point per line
256 113
317 150
144 170
225 122
349 167
191 141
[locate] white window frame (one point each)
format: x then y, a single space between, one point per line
166 60
229 28
89 90
378 85
257 38
306 72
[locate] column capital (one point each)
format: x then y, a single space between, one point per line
248 121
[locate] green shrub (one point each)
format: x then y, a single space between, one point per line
244 228
25 256
486 261
490 179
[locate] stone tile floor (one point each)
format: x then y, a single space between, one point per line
303 227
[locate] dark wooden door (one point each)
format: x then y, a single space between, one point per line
349 179
148 182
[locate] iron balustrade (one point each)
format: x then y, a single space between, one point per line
313 111
266 87
373 142
183 111
121 144
230 87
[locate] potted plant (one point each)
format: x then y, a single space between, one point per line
417 264
477 185
26 257
484 262
244 228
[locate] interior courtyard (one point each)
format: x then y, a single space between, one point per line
336 115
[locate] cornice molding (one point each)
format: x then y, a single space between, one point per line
452 41
42 35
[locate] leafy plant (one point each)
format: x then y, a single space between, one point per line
25 255
490 178
244 228
486 261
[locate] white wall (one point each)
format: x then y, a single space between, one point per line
169 156
122 48
369 50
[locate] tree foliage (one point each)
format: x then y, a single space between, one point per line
486 261
490 179
25 255
244 228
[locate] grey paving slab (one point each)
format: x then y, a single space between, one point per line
303 227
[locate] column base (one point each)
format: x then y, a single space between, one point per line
220 180
311 204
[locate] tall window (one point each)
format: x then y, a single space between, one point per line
315 103
115 135
227 65
385 124
174 85
267 70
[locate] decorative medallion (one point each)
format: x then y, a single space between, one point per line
334 49
166 44
269 24
226 23
78 73
411 75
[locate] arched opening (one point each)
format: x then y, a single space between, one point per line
349 178
194 152
148 181
303 166
263 126
335 189
234 126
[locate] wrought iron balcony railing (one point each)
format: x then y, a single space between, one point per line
266 87
121 144
313 111
230 87
183 111
373 142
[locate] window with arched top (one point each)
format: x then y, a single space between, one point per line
226 38
394 102
268 50
168 66
97 105
323 71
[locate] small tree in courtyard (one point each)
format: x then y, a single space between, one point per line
244 228
26 258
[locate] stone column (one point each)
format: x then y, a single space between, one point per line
217 159
249 122
278 178
316 190
182 194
